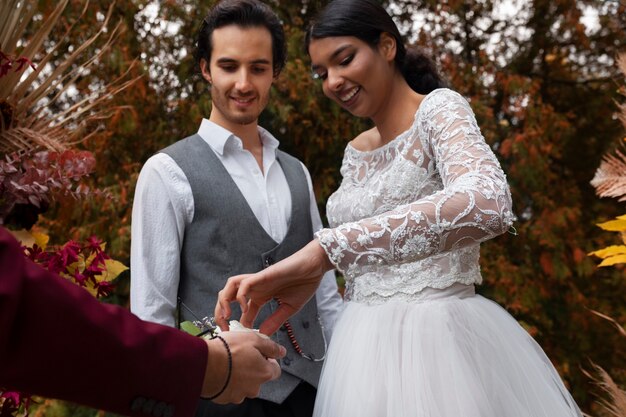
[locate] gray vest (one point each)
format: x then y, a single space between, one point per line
226 239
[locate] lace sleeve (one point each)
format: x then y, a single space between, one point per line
473 206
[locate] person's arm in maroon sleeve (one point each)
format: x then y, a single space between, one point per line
56 340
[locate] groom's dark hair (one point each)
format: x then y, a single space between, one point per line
246 14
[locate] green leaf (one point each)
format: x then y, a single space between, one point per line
189 327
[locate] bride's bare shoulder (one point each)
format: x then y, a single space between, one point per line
367 140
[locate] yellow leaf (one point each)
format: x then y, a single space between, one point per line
24 237
41 239
91 289
614 225
29 239
78 265
618 259
90 259
610 251
114 268
622 217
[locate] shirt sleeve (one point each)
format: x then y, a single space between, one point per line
329 301
162 207
473 206
57 340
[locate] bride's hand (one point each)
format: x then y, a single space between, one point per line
293 281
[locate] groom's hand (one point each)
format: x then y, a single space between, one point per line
253 363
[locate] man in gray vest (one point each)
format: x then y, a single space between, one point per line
226 201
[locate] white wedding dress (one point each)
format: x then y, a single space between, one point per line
414 339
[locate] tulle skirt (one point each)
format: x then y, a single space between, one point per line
449 354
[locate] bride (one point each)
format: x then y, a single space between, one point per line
420 191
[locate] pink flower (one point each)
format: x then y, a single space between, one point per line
80 278
35 253
12 403
93 244
54 263
104 288
69 253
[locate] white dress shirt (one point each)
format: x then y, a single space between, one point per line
163 207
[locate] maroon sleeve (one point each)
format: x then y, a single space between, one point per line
56 340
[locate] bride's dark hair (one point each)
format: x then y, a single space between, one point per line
367 20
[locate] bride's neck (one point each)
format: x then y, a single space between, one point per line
398 111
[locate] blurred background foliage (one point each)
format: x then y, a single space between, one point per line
540 75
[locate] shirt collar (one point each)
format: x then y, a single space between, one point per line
219 138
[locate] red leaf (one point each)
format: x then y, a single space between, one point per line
546 264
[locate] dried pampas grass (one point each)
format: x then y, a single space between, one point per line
615 405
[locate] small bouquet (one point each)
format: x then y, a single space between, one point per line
208 329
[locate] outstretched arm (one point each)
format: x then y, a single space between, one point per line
78 347
473 206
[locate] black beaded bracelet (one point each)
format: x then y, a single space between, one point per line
230 368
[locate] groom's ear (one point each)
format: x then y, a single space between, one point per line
205 70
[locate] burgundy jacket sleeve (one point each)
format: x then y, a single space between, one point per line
56 340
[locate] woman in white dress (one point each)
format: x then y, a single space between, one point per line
420 191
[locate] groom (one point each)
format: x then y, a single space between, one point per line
226 201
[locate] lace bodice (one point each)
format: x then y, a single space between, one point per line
412 213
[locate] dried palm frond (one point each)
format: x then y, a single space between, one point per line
610 178
27 125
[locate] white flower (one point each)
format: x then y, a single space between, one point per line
416 244
236 326
382 221
325 236
363 239
336 254
417 216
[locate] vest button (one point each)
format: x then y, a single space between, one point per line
287 361
283 328
268 261
305 324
